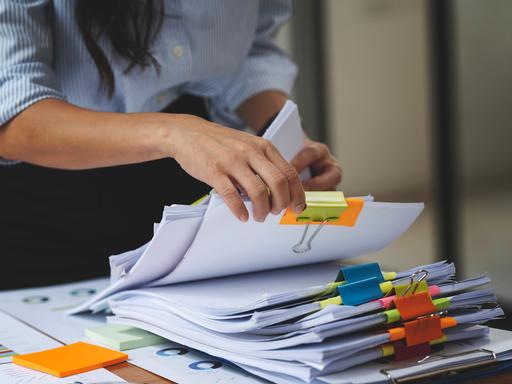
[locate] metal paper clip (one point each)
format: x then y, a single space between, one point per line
416 283
304 245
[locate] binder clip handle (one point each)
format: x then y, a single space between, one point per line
414 284
304 245
321 207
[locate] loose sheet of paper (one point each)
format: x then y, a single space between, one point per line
224 246
44 308
18 338
185 365
14 374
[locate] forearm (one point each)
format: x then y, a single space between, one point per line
260 108
56 134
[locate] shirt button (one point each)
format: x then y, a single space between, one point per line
178 51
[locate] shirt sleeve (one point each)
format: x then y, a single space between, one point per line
265 67
26 51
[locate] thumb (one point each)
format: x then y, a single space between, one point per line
304 158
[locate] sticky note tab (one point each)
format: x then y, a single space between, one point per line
360 292
347 218
122 337
70 359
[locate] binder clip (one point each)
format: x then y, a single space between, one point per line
321 207
359 272
362 283
412 302
403 352
422 330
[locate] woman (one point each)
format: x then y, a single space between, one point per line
104 118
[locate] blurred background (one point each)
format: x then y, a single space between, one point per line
414 97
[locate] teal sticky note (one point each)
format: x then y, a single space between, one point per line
122 337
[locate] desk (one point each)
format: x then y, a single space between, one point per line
138 375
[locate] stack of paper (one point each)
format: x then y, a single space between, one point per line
268 297
289 330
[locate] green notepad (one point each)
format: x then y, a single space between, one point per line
122 337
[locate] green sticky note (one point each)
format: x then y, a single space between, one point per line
122 337
323 205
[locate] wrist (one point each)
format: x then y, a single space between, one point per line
169 132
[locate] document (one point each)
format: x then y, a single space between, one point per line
18 338
44 308
185 365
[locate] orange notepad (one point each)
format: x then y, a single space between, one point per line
70 359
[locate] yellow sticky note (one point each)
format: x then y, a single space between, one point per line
70 359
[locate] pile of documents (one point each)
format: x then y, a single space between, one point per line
268 296
296 333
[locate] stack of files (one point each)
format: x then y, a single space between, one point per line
269 296
301 335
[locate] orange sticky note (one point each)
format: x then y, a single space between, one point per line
347 218
70 359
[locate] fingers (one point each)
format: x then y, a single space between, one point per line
275 179
327 180
297 198
224 187
308 155
256 189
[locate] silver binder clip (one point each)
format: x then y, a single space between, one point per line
304 245
321 207
415 283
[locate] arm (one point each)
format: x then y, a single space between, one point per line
57 134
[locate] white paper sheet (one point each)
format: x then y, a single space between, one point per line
165 250
45 308
184 365
17 338
224 246
15 374
287 135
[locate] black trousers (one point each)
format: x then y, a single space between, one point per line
59 226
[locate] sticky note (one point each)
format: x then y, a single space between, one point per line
347 218
122 337
70 359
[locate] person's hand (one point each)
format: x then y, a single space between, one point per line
326 171
228 159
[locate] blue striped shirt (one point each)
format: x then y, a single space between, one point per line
219 49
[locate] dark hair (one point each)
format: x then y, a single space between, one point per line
130 26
